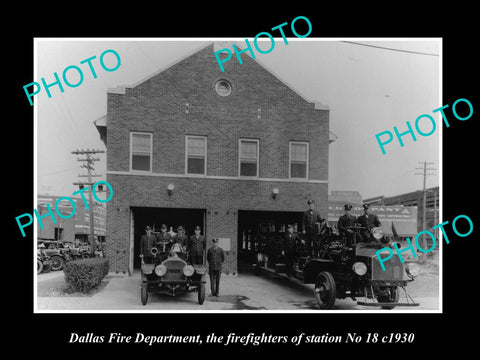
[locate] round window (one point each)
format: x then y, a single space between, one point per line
223 88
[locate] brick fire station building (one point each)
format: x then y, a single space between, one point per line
192 145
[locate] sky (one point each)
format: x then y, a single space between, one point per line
368 90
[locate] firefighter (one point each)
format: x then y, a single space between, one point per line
215 258
368 221
344 222
309 227
196 246
180 238
147 241
290 242
164 239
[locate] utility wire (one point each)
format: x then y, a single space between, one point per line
392 49
57 172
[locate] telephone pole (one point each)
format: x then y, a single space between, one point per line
88 164
435 211
424 172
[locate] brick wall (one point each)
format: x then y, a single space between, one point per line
220 198
158 105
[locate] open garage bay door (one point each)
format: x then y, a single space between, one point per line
255 227
155 217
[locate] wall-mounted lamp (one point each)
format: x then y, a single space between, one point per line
170 188
275 192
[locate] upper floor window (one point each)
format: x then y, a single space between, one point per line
140 151
196 155
248 157
299 160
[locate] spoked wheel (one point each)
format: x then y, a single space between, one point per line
39 266
201 294
325 290
144 294
393 296
57 262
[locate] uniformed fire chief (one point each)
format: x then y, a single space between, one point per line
196 246
215 258
344 222
147 241
368 221
309 227
290 242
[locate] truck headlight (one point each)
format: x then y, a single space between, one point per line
412 270
160 270
188 270
359 268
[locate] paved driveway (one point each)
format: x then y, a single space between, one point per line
244 292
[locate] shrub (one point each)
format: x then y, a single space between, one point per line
84 274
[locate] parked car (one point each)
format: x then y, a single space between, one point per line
169 272
84 249
77 253
43 261
57 253
61 253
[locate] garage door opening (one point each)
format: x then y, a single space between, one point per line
257 227
155 217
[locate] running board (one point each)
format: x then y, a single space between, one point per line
363 303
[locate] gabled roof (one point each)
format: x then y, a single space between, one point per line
121 89
101 123
215 47
220 45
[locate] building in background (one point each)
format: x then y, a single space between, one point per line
345 197
192 145
398 221
74 229
415 198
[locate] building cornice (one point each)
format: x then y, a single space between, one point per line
214 177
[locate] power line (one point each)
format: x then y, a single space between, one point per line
56 172
391 49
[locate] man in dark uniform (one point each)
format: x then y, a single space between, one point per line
180 237
290 242
163 239
368 221
196 245
309 227
215 258
147 241
344 222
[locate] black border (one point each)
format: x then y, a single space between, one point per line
460 72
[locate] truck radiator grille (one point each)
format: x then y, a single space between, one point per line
393 269
174 269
